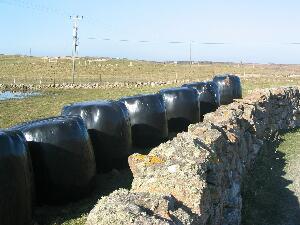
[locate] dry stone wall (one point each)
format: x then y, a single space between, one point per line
196 178
100 85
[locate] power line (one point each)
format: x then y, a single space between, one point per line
149 41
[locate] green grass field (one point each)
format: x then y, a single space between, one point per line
34 70
271 194
30 70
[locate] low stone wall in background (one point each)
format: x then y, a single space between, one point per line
101 85
196 178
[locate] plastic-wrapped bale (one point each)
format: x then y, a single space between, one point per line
62 157
109 128
208 95
182 108
148 119
237 86
15 179
229 87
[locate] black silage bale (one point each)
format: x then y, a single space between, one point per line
148 119
229 87
16 184
108 124
237 86
62 157
182 107
208 94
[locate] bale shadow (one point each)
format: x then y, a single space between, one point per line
110 150
266 198
145 136
178 125
105 184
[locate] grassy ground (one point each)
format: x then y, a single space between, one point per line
272 191
51 101
36 70
31 70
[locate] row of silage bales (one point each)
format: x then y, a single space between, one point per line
146 120
63 148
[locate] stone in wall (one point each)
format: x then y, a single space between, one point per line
199 173
123 207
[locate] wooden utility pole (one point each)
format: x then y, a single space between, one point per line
75 42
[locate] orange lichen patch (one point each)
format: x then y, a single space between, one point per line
155 160
139 157
226 114
148 160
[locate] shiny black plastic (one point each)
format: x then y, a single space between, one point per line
15 180
237 86
182 108
109 127
148 119
62 157
229 87
208 94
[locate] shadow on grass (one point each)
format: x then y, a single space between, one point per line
266 198
75 213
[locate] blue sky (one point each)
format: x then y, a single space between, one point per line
252 30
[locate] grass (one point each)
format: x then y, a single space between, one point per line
51 101
269 196
36 70
32 70
77 212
